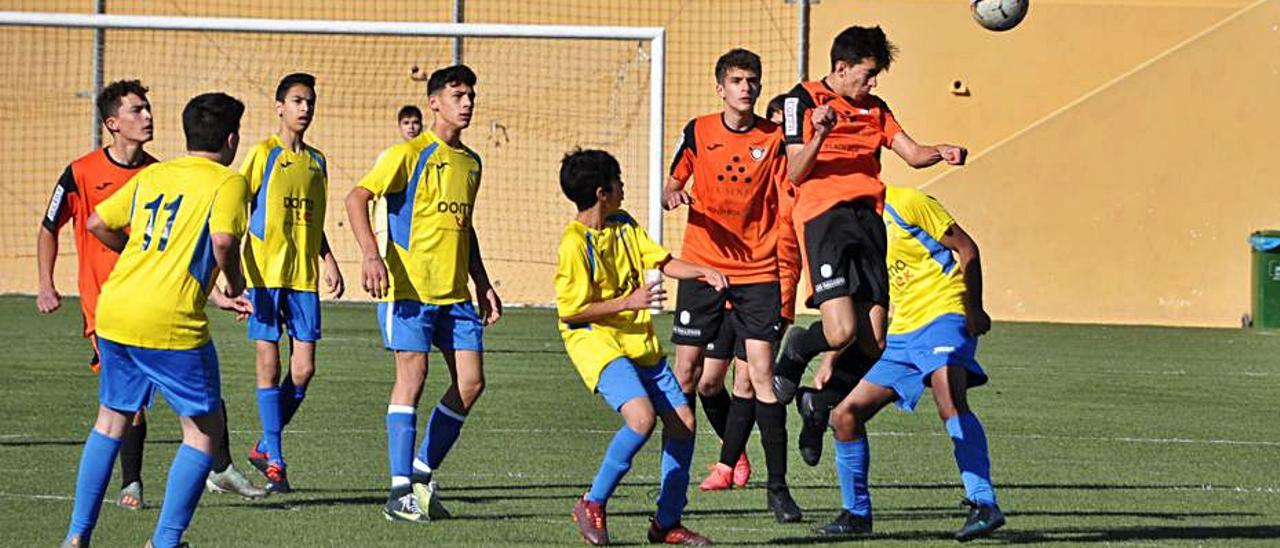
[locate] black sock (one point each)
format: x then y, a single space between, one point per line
742 417
222 453
131 453
810 342
772 418
716 408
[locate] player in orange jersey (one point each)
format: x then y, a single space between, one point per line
834 130
89 179
736 159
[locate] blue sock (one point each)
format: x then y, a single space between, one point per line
853 459
442 431
186 483
970 441
291 397
402 429
269 412
617 461
96 460
673 493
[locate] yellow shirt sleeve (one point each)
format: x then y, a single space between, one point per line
251 168
573 279
116 211
390 173
229 214
652 255
927 213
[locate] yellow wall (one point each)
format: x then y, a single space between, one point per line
1120 153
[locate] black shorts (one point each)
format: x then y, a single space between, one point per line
845 247
729 345
700 312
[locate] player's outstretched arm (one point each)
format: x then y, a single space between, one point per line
47 297
801 158
921 156
490 304
684 270
957 240
114 239
649 295
332 274
373 272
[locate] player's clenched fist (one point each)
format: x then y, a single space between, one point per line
824 119
952 154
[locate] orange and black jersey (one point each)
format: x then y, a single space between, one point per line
847 168
734 213
87 181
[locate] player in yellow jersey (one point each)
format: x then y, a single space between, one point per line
935 285
184 218
289 186
420 279
603 294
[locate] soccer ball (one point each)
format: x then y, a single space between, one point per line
998 15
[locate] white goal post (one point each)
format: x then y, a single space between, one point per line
655 36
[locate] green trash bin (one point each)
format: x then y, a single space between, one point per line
1266 278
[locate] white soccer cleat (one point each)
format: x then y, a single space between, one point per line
232 481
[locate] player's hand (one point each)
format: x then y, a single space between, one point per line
649 295
333 279
374 276
977 322
490 306
672 199
824 120
715 279
48 300
241 305
824 374
952 154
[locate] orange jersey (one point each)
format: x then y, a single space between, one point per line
734 212
848 165
87 181
789 261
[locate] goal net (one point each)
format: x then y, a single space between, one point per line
587 79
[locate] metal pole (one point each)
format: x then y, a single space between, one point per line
657 93
99 44
459 14
802 40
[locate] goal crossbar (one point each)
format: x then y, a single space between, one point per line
656 36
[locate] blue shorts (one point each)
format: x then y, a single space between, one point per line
622 381
412 326
274 307
188 379
910 358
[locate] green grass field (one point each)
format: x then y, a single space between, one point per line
1099 435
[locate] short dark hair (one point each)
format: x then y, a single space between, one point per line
775 105
108 101
737 58
208 119
407 111
855 43
295 79
456 74
583 172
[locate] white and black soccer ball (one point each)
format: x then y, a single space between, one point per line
998 15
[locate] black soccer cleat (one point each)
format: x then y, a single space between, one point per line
983 519
784 508
846 525
813 426
788 368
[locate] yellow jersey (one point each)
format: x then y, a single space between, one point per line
289 192
430 189
601 265
155 296
925 280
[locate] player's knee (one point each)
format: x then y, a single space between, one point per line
839 334
470 389
845 422
641 423
710 387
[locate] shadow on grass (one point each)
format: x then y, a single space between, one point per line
1067 535
30 442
